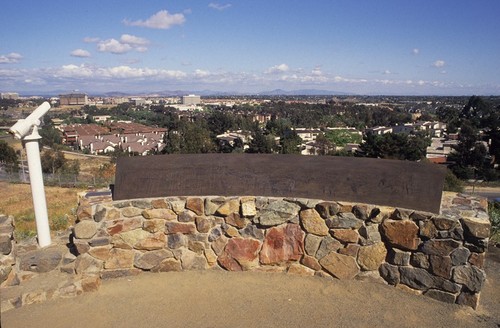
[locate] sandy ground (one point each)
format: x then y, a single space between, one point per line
224 299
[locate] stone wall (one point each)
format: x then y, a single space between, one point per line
7 247
441 256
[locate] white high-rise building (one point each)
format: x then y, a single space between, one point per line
191 100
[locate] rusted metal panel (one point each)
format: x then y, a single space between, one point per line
394 183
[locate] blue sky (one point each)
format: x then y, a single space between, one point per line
417 47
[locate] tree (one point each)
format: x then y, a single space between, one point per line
290 142
395 146
469 156
8 157
261 143
219 122
52 161
189 138
324 146
50 136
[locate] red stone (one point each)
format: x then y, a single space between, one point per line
282 244
240 254
185 228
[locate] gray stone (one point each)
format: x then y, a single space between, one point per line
401 214
215 234
101 241
129 212
420 260
389 273
344 221
251 231
440 266
167 265
100 213
416 278
370 233
5 244
469 276
360 211
445 223
469 299
85 229
192 261
446 285
142 204
119 273
327 245
398 257
442 247
441 296
177 240
87 264
312 244
327 209
276 213
427 229
149 260
41 260
186 216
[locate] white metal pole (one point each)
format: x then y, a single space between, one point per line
37 188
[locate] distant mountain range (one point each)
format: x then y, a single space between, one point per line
179 93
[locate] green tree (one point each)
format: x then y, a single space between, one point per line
8 157
189 138
395 146
261 143
51 137
219 122
52 161
290 142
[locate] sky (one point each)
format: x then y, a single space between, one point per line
393 47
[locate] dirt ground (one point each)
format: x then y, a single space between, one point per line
224 299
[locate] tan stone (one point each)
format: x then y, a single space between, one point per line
297 269
159 213
100 253
154 225
248 206
168 265
310 262
84 213
230 206
477 227
313 222
350 249
232 232
196 246
112 214
219 244
91 283
152 242
131 212
133 237
340 266
85 229
401 234
211 257
159 203
236 220
87 264
407 289
345 235
372 256
203 224
196 205
477 259
178 205
119 259
37 296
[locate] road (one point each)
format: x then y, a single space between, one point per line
488 192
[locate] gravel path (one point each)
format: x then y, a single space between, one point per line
225 299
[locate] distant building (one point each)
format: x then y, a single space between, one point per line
191 100
73 99
138 101
9 95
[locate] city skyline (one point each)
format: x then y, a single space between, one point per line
358 47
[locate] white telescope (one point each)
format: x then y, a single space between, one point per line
27 130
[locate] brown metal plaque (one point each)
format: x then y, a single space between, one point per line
394 183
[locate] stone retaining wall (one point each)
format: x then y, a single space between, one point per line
441 256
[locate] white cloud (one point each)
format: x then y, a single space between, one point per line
317 71
81 53
219 6
11 58
277 69
386 72
415 51
114 46
133 40
91 40
201 73
161 20
439 63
